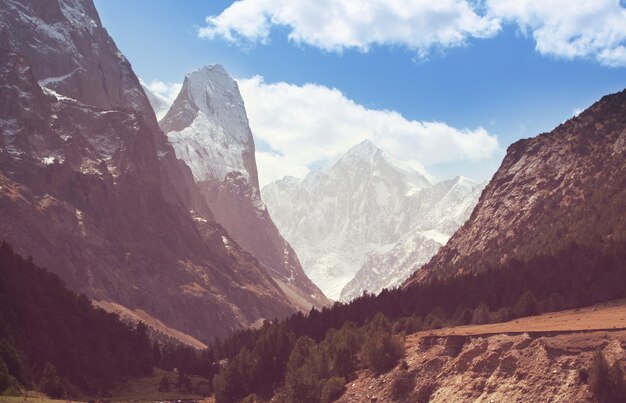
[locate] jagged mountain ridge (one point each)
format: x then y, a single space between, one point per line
443 207
92 190
552 192
208 127
340 217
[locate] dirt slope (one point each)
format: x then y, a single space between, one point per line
536 359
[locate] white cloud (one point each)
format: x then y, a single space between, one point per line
570 29
169 91
304 124
336 25
592 29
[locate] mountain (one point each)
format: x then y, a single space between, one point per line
91 188
557 192
208 127
44 323
366 209
442 208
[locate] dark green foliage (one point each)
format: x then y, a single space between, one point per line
332 352
47 330
258 367
462 316
183 383
556 302
526 305
580 276
481 315
332 389
310 376
5 377
413 324
164 384
381 350
341 347
13 361
306 369
12 391
501 315
607 383
433 321
50 382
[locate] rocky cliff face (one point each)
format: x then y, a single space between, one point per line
367 213
563 188
208 127
92 190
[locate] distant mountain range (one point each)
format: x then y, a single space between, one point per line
368 221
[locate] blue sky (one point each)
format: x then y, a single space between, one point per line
514 71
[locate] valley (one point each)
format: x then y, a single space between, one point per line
208 231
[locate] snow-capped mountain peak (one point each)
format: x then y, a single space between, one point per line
215 94
208 126
337 217
364 149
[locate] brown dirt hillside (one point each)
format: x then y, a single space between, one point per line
535 359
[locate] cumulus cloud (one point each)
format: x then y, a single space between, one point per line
168 91
570 29
563 28
301 125
336 25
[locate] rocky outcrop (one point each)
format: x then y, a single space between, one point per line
92 190
563 188
496 368
208 127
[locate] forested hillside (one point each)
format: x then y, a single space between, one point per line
55 340
312 357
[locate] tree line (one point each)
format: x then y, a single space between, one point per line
310 357
56 340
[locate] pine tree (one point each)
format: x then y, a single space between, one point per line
481 315
51 383
5 378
